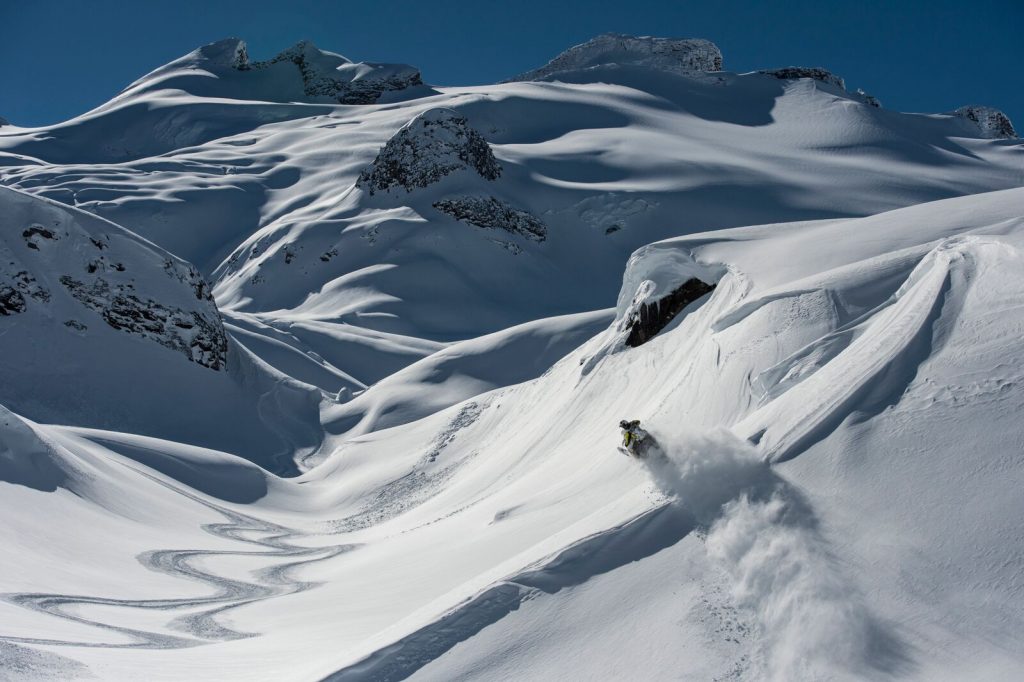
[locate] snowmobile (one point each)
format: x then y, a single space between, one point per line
635 441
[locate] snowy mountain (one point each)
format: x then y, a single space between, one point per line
313 371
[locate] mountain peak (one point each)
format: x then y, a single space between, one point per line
674 55
301 73
992 123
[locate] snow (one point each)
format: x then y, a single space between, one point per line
665 54
401 461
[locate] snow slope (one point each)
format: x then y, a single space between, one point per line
99 327
404 466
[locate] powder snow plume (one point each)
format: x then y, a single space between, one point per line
813 622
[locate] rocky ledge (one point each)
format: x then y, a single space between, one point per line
680 56
491 213
992 123
650 317
434 144
326 75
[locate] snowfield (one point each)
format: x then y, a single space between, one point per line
312 371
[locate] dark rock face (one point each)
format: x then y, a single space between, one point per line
680 56
992 123
14 288
870 100
34 235
431 146
652 317
815 73
11 301
200 339
318 81
494 214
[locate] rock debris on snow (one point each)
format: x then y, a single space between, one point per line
493 213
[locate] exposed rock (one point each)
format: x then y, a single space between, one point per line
35 234
434 144
815 73
680 56
992 123
331 76
494 214
870 100
14 287
200 338
649 318
75 324
11 301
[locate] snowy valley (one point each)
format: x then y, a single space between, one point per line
311 370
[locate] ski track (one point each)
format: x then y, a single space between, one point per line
640 537
201 627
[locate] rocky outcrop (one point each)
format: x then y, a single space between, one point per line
431 146
814 73
11 300
198 337
650 317
330 76
494 214
991 123
59 264
680 56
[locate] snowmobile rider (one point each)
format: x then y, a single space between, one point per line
632 437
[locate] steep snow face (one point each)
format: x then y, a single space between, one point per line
57 266
432 145
100 328
992 123
664 54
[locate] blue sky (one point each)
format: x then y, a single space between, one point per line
59 58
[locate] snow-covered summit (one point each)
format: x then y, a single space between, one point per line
992 123
674 55
814 72
301 73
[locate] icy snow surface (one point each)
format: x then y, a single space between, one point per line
263 419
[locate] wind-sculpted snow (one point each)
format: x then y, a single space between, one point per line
301 73
398 456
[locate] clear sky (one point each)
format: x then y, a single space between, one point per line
59 58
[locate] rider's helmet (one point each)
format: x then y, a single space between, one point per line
623 424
